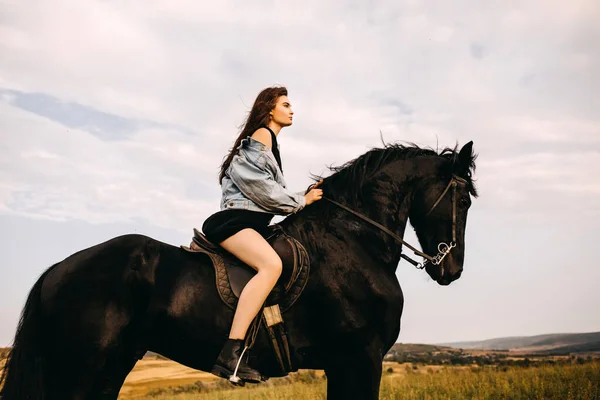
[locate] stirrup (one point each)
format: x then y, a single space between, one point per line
234 378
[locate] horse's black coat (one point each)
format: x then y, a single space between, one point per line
90 317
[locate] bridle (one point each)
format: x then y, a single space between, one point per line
443 248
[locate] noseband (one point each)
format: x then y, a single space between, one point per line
443 248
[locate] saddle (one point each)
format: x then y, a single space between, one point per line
232 275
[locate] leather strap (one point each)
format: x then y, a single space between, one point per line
453 182
383 228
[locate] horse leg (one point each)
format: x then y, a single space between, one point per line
70 380
99 378
90 372
112 374
355 375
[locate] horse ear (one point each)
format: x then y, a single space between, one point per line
464 159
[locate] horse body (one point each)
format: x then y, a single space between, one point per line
98 311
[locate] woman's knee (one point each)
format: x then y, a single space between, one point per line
273 266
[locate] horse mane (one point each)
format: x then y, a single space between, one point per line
350 177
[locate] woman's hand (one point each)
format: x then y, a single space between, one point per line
314 194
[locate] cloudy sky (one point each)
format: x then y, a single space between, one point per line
115 115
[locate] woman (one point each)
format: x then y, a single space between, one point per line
254 191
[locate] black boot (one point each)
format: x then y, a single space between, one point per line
233 356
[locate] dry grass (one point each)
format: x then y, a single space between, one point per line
149 374
400 381
157 379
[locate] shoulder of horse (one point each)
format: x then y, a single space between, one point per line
264 136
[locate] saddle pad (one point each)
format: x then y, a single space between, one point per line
232 275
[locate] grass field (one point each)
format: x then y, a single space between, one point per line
166 380
575 378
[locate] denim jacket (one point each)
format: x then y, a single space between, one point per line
255 182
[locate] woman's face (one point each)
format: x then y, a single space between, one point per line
282 113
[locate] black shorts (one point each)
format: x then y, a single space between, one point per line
227 223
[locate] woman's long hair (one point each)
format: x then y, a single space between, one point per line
258 116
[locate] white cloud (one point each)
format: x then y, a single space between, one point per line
542 184
49 171
353 70
183 61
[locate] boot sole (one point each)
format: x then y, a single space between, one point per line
225 373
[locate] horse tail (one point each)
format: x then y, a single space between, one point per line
23 373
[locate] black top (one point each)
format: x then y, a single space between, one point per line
274 147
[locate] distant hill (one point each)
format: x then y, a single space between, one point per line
575 348
559 343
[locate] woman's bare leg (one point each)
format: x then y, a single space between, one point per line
251 248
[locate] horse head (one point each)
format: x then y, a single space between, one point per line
439 214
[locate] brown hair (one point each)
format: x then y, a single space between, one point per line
258 116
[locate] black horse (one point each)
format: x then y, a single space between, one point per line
90 317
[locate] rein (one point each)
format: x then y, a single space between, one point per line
443 248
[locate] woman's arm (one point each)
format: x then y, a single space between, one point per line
260 186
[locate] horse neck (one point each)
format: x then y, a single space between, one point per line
386 200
